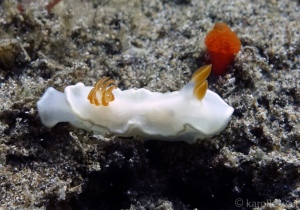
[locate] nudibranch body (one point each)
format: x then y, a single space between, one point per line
186 115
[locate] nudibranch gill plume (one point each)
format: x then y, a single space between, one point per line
103 89
192 113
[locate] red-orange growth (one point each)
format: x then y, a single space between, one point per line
222 45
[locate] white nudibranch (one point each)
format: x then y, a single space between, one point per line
186 115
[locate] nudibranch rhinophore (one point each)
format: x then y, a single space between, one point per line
192 113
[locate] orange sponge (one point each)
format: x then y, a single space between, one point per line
222 45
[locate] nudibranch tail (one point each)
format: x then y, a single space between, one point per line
102 94
199 78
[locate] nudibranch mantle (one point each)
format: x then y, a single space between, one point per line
173 116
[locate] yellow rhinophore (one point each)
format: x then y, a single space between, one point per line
199 78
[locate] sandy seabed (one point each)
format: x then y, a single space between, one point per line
156 44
